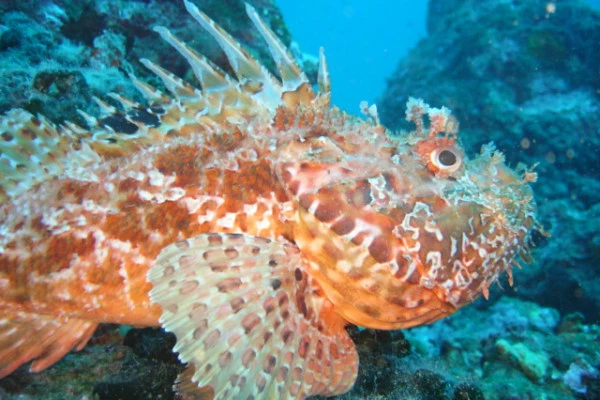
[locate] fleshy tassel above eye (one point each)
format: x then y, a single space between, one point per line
249 319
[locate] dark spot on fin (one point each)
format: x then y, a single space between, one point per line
144 116
119 124
157 110
275 284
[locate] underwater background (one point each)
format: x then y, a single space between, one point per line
524 74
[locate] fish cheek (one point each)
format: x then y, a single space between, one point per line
473 252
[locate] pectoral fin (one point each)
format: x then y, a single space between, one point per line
250 319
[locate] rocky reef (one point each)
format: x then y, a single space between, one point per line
55 55
525 75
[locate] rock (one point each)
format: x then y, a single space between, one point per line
534 364
467 391
152 343
581 375
430 385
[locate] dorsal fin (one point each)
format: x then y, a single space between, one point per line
150 93
30 150
291 74
177 86
105 108
323 99
33 149
252 76
211 77
126 103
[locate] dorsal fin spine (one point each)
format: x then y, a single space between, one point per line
246 67
25 158
323 79
105 108
124 101
292 75
324 96
177 86
209 75
74 129
223 99
152 94
90 120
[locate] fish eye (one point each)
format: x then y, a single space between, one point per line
446 159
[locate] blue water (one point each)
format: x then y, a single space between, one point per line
363 41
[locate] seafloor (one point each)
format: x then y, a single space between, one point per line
522 73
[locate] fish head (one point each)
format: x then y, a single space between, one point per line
404 230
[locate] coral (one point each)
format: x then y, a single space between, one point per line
578 374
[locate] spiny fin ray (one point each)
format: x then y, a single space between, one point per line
209 75
323 77
252 76
323 100
291 74
55 150
152 95
25 337
28 146
175 85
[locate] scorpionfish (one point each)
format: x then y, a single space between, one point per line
250 218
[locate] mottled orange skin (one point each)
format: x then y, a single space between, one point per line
390 241
34 256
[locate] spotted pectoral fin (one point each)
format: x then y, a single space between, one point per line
42 338
250 319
